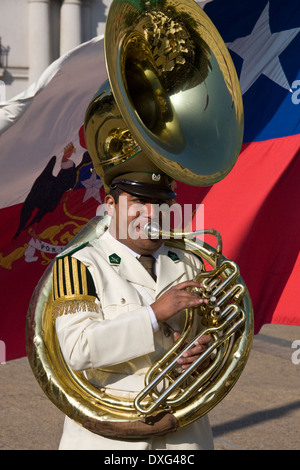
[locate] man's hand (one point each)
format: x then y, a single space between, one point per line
194 353
176 299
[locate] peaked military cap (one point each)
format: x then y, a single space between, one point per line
139 176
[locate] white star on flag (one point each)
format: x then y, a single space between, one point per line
260 51
202 3
93 186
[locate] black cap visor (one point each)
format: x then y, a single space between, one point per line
152 191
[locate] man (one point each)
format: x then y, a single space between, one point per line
121 318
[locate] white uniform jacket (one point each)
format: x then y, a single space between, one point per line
114 341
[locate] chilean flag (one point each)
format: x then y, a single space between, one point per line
48 192
256 207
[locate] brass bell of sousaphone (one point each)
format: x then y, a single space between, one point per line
172 92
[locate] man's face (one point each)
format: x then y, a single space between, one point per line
129 217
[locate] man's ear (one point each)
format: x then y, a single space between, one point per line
110 205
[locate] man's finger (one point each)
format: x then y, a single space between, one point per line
186 284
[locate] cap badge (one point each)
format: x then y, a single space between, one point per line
156 176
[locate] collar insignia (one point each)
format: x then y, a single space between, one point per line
114 259
173 256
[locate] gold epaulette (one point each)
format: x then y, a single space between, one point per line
73 287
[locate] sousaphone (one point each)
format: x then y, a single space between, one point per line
172 92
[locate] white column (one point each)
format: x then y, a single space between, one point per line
39 49
86 17
70 25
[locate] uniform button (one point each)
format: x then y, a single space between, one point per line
123 300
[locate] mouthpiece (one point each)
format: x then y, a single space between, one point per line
152 230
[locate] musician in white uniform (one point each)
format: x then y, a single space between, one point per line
113 318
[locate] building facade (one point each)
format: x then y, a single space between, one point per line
34 33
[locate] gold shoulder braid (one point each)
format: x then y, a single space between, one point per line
73 287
